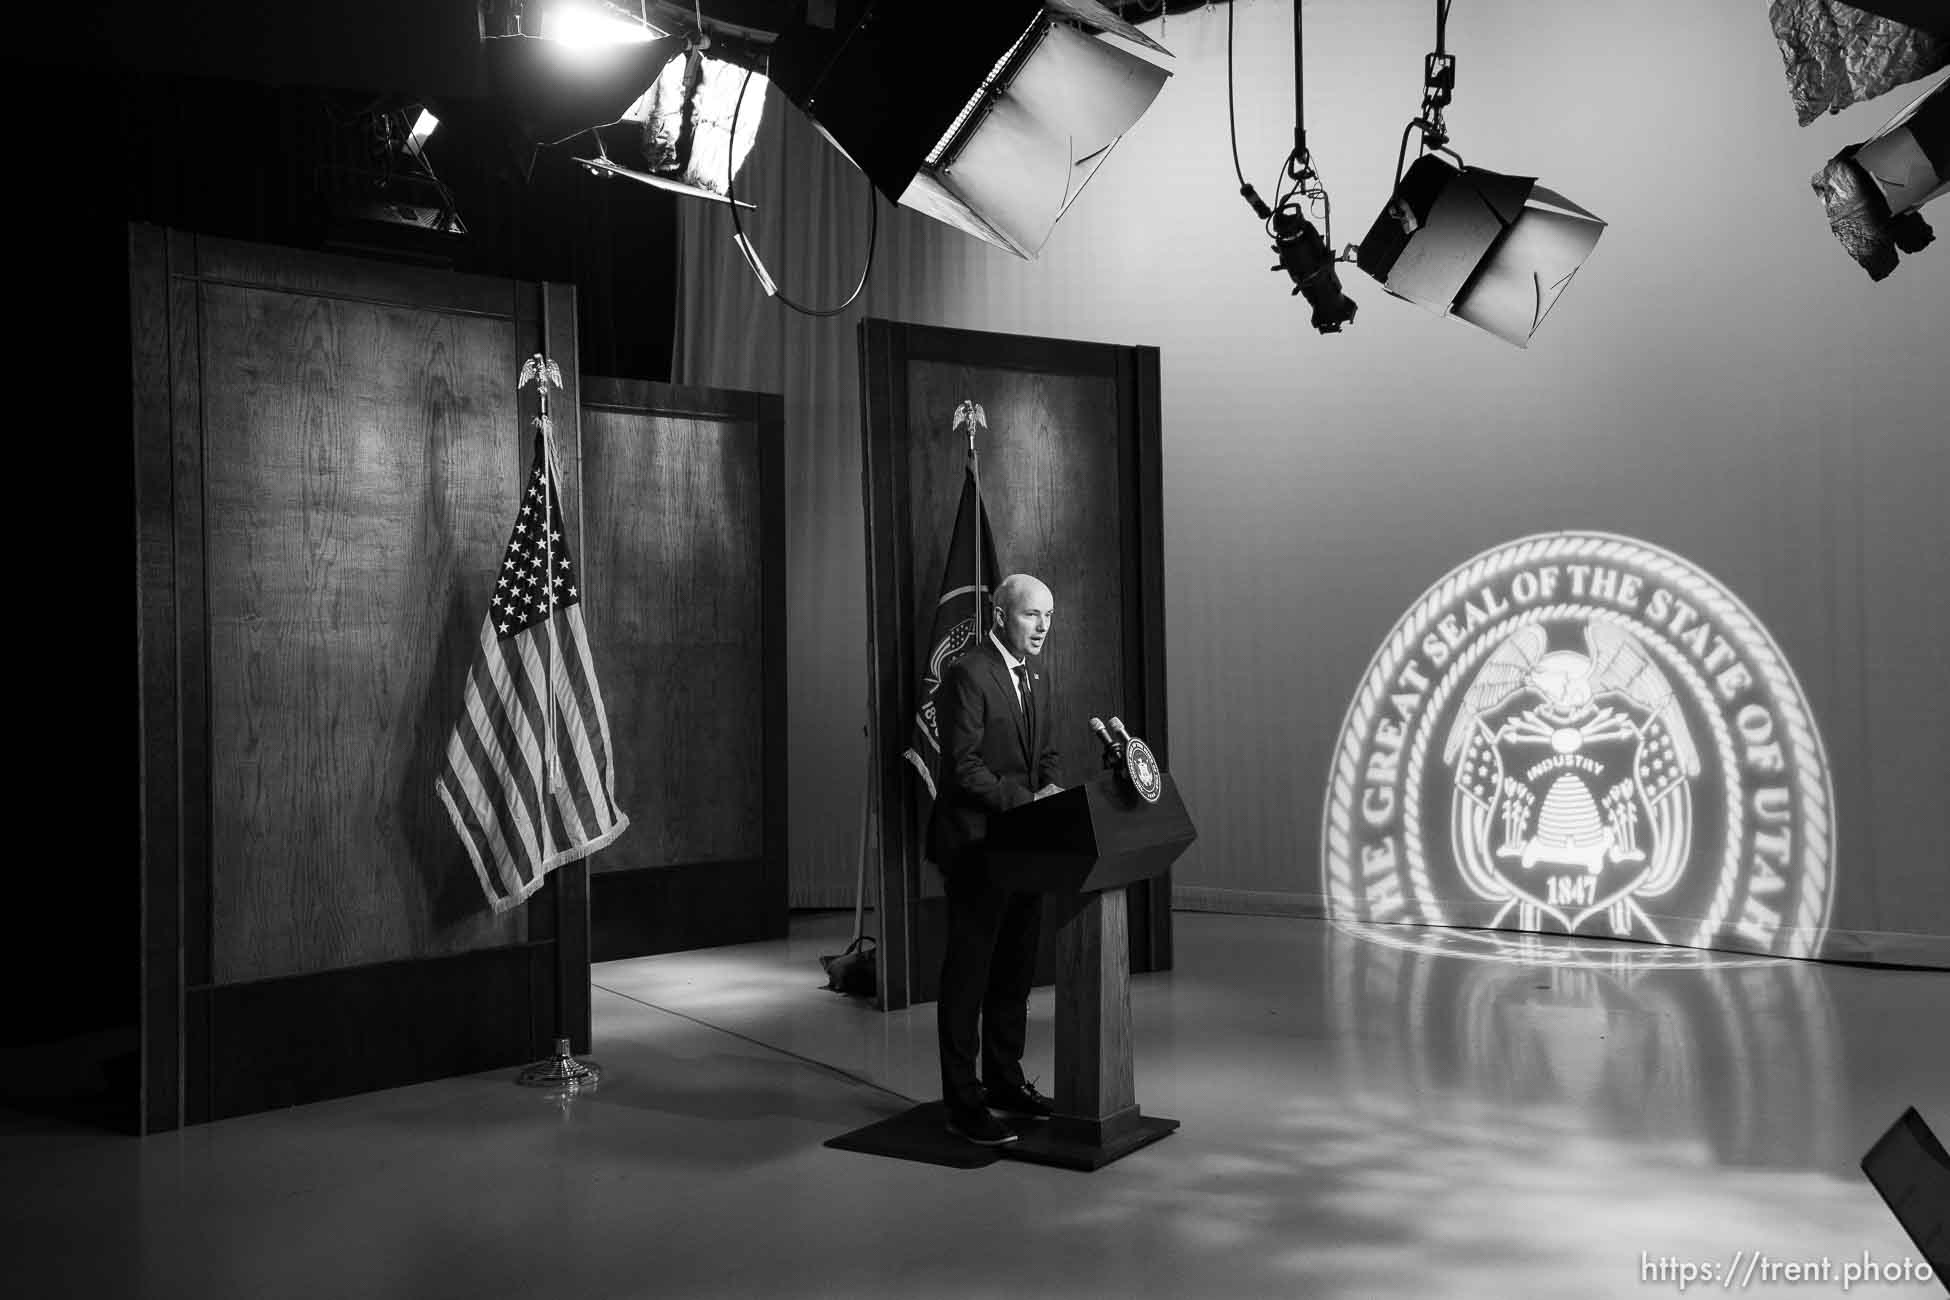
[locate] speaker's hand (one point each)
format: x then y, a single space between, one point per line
1049 790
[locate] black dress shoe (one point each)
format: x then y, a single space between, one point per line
1024 1102
979 1127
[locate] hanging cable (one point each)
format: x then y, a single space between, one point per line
750 252
1232 123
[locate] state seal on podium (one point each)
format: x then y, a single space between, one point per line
1141 766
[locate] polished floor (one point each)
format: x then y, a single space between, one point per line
1362 1117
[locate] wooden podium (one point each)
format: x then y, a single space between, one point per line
1081 848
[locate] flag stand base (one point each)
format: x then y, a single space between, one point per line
562 1071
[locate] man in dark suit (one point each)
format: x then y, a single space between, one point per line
996 754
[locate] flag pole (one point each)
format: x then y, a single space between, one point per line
975 472
563 1071
552 650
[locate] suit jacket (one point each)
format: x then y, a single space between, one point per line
992 757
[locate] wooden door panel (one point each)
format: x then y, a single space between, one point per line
328 455
685 545
675 541
352 520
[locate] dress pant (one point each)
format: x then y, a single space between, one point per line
987 968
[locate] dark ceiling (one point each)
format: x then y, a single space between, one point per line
229 117
427 48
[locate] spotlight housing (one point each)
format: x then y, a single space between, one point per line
1306 258
585 23
1872 190
1494 250
424 125
991 120
551 91
383 195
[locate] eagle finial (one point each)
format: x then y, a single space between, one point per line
542 369
970 415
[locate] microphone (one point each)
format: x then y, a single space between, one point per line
1123 736
1113 752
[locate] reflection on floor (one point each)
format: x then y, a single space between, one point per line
1361 1119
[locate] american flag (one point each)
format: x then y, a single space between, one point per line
530 774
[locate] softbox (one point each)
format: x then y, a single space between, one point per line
988 117
1497 251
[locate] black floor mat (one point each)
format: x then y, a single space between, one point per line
917 1134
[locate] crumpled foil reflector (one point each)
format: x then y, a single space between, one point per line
1861 219
1838 55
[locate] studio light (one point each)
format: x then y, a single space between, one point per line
557 68
550 91
684 123
1305 256
990 117
586 23
383 194
1494 250
656 107
1305 253
1872 190
424 125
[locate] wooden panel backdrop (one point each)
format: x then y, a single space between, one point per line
1069 473
328 452
349 518
686 541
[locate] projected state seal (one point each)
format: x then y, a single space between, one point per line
1583 734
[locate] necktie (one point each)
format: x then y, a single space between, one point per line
1028 711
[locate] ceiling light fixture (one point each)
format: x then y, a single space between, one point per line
383 195
1873 190
1497 251
563 68
991 120
1305 253
424 125
585 23
684 125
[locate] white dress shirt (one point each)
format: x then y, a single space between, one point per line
1012 663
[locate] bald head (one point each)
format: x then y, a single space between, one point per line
1023 608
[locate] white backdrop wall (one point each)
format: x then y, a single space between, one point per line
1721 381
